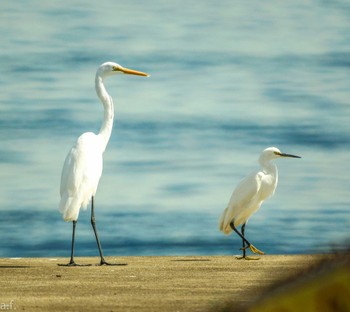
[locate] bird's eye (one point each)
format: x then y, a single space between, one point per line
116 68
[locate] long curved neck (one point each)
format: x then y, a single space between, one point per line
269 167
106 99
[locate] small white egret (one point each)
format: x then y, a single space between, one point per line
82 168
248 196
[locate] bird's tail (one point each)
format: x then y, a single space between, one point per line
223 225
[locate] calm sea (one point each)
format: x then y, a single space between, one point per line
228 79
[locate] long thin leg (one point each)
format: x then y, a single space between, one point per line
250 245
244 247
243 242
73 240
93 223
72 262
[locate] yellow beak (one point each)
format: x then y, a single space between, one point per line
133 72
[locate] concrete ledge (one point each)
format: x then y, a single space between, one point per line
168 283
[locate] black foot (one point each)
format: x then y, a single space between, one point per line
104 262
72 263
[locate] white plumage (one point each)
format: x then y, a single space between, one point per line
82 168
250 193
80 175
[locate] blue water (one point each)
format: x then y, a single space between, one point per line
228 79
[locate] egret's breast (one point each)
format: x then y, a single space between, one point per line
268 187
91 159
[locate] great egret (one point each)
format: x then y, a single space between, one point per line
248 196
82 168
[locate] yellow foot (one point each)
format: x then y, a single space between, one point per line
256 250
247 258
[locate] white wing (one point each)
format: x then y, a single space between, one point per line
81 173
243 203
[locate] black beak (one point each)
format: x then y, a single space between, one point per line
289 155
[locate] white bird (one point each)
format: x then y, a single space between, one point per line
248 196
82 168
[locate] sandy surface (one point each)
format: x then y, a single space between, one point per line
144 284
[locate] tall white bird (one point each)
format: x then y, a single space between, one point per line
82 168
248 196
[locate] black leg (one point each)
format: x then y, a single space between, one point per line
249 245
241 236
93 223
243 242
72 262
73 239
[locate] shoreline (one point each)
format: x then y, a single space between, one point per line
146 283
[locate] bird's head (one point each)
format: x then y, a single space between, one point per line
111 68
271 153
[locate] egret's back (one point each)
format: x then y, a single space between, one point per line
245 200
81 173
250 193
